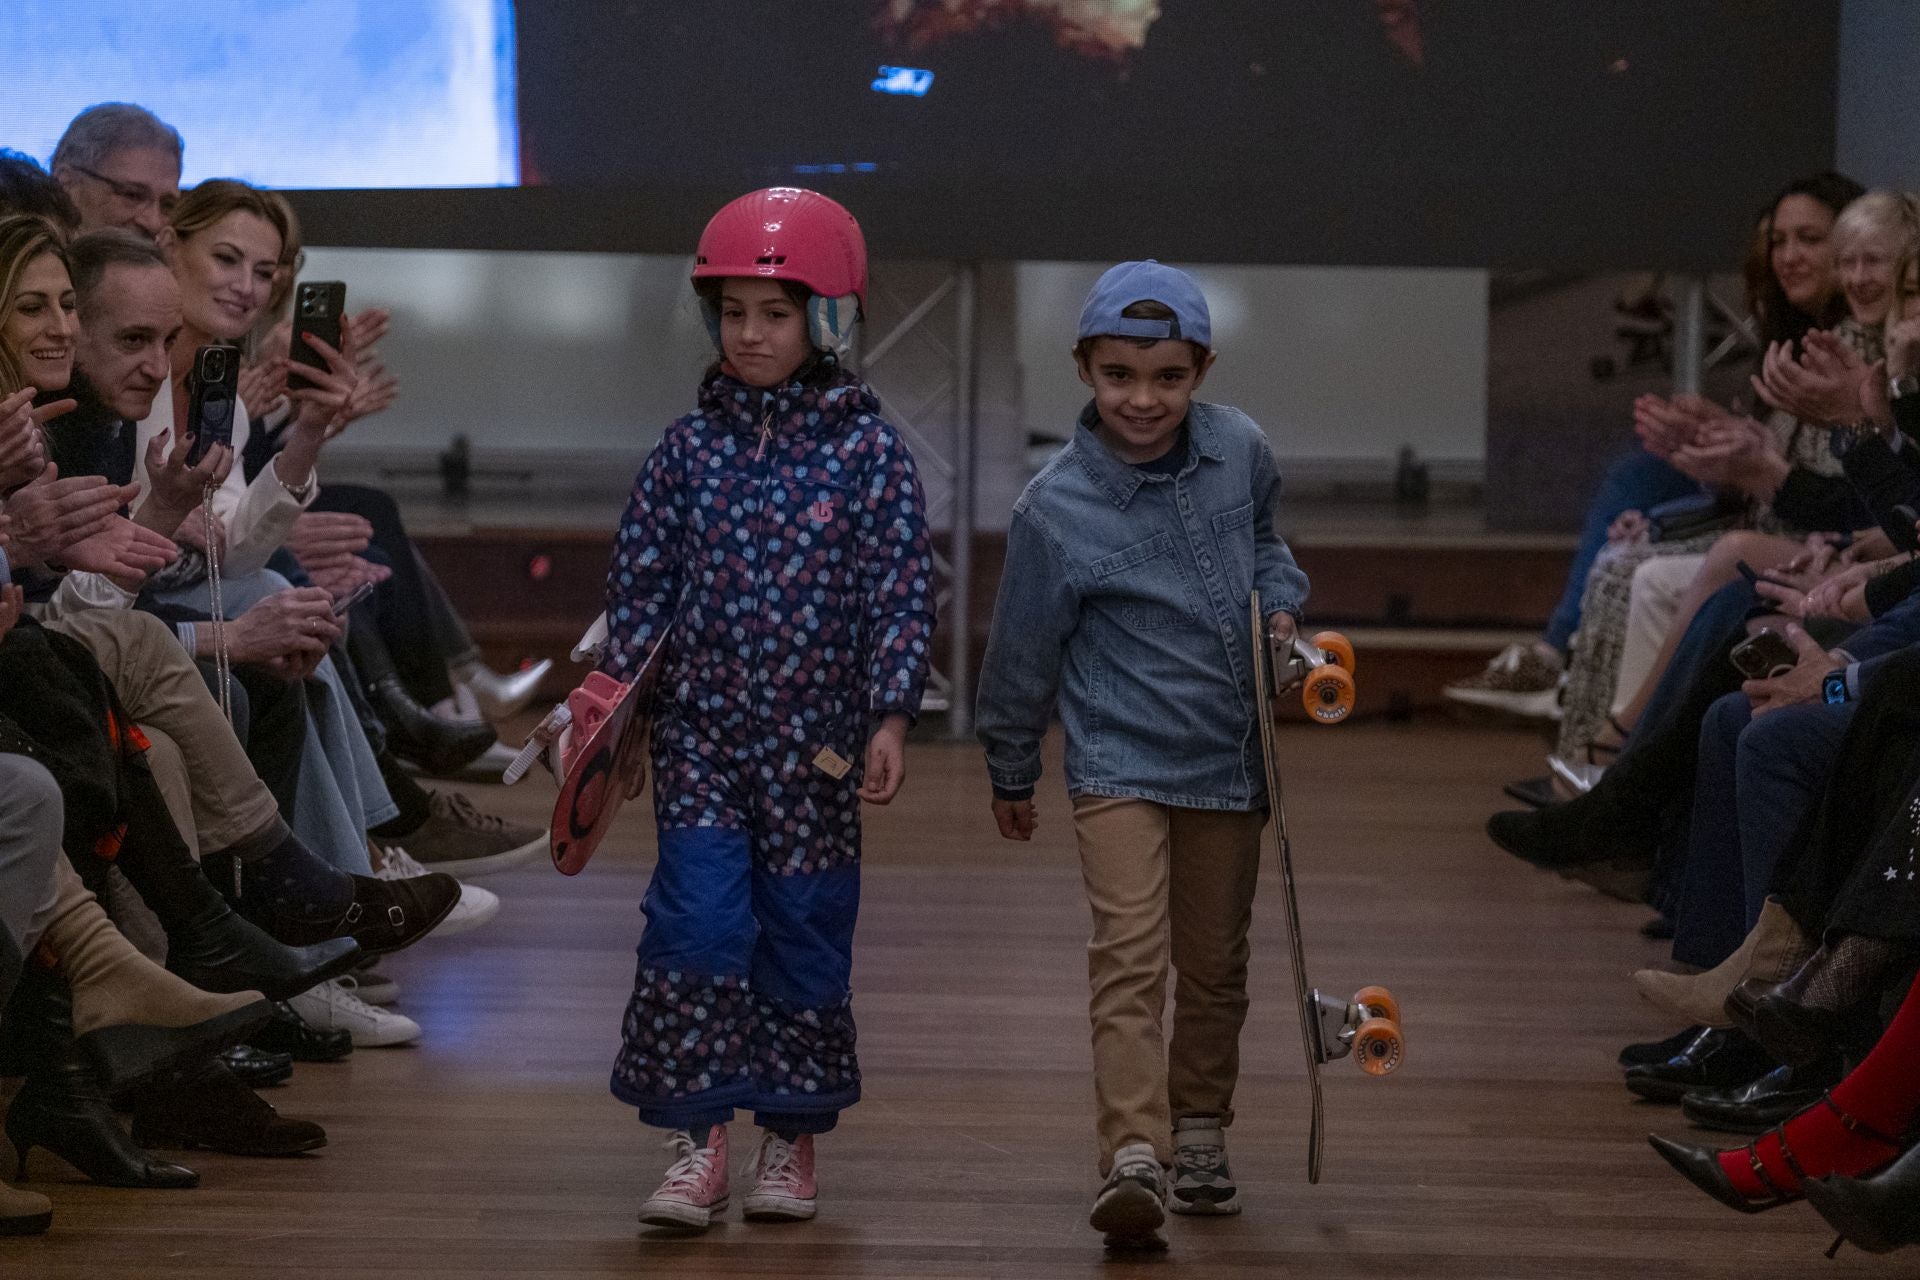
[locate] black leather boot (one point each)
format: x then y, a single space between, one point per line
1878 1214
216 950
1828 1000
62 1105
420 737
205 1106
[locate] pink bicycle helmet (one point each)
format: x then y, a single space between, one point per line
790 233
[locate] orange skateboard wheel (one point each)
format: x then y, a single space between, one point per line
1377 1002
1338 648
1328 695
1378 1046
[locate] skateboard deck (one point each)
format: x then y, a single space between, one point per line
607 761
1329 1027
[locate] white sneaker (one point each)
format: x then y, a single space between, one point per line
476 905
335 1004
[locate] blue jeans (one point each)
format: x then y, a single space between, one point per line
1758 779
1635 482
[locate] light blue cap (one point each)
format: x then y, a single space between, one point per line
1132 282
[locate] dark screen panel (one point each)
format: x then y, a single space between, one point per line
1393 132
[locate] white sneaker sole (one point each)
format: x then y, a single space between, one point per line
680 1214
475 907
1543 705
1206 1208
762 1207
1127 1210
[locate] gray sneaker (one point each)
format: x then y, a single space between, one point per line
462 841
1202 1182
1132 1205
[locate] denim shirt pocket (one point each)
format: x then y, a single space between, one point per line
1145 585
1234 540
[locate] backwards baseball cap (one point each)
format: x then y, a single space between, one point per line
1132 282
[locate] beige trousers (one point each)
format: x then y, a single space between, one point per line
1166 885
1652 608
202 765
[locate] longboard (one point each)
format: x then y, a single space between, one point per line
1330 1028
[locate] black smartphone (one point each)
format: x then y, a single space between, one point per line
213 388
1747 571
1763 653
318 306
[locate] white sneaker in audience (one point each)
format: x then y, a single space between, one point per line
376 987
333 1005
1579 778
476 905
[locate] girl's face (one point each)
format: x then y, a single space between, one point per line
1866 274
763 332
1801 258
40 327
226 274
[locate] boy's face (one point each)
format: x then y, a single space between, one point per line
1141 392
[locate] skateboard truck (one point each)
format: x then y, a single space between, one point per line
1367 1025
1324 668
553 736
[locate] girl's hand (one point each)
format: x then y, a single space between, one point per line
886 761
1629 527
1016 818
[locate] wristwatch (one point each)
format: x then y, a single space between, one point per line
1833 688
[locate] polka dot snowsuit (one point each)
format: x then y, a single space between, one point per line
781 538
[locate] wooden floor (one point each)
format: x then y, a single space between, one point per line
1505 1147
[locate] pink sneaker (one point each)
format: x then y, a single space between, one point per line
783 1186
695 1187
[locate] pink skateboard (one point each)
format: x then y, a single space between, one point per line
596 743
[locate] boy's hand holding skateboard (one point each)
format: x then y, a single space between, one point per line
886 761
1281 629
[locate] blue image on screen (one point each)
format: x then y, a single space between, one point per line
911 82
282 93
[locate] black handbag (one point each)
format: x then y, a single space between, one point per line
1708 511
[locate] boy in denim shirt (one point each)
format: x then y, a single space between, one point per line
1124 601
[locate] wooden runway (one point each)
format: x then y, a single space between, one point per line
1505 1147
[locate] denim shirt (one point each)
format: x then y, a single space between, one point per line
1125 599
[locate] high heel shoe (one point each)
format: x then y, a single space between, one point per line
1878 1214
416 735
63 1108
1801 1019
217 950
499 695
1701 1165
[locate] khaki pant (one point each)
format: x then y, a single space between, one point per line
203 764
1165 884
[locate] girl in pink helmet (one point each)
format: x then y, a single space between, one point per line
777 537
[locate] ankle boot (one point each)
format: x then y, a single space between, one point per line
1878 1214
129 1015
416 735
499 695
1600 826
216 950
1773 949
24 1213
206 1106
62 1106
1801 1020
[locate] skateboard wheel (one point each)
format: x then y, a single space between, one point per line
1328 695
1377 1002
1378 1046
1338 648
